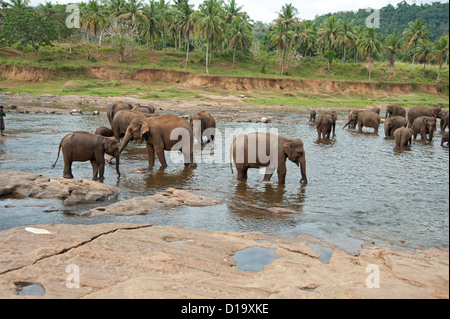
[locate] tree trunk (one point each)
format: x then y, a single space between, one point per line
392 60
207 53
329 54
439 70
414 58
187 51
234 54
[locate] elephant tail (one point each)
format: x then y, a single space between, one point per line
231 162
59 149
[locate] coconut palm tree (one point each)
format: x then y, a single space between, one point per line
393 45
368 45
164 12
240 33
210 23
287 17
416 32
19 4
94 18
345 36
441 52
186 23
232 10
329 31
115 8
153 21
132 10
308 36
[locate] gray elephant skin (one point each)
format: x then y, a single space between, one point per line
424 125
395 110
393 123
419 110
250 151
403 136
83 146
324 123
157 133
206 128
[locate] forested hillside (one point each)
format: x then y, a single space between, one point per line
394 19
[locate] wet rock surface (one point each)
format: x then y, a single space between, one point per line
144 261
72 191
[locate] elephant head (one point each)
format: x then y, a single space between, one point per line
293 149
352 118
111 147
430 124
135 131
437 112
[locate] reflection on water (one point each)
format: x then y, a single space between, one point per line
361 189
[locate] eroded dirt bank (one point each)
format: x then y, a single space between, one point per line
145 261
150 75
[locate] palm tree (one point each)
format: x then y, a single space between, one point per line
210 23
186 23
286 18
19 4
368 44
132 10
240 33
308 36
424 53
115 8
94 18
393 46
441 52
164 12
345 36
231 11
416 32
329 31
153 20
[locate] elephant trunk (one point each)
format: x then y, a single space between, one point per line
128 136
347 124
304 179
117 156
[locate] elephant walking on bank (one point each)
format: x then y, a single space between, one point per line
255 150
83 146
162 133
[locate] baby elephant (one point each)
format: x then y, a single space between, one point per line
444 138
84 146
255 150
403 136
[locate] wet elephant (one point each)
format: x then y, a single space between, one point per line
203 124
112 109
393 123
368 119
312 117
83 146
395 110
144 108
324 123
122 120
403 136
250 151
104 131
162 133
444 138
354 114
444 121
419 110
424 125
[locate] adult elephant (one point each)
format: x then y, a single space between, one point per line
395 110
144 108
203 124
393 123
424 125
444 121
324 123
123 119
444 138
162 133
368 119
83 146
403 136
250 151
114 108
353 116
419 110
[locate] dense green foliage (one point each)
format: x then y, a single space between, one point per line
413 34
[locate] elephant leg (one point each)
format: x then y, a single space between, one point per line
150 155
242 174
281 172
101 168
67 172
161 156
268 174
94 170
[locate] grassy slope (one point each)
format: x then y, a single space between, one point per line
58 57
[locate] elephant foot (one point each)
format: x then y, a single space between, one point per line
68 176
193 165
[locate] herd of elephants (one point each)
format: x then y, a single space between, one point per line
135 122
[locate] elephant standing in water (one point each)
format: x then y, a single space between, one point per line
403 136
312 117
395 110
417 111
255 150
393 123
112 109
324 123
162 133
424 125
83 146
203 124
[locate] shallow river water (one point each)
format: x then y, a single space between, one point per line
361 190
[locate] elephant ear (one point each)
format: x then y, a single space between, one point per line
288 147
144 128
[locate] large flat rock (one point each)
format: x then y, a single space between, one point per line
145 261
